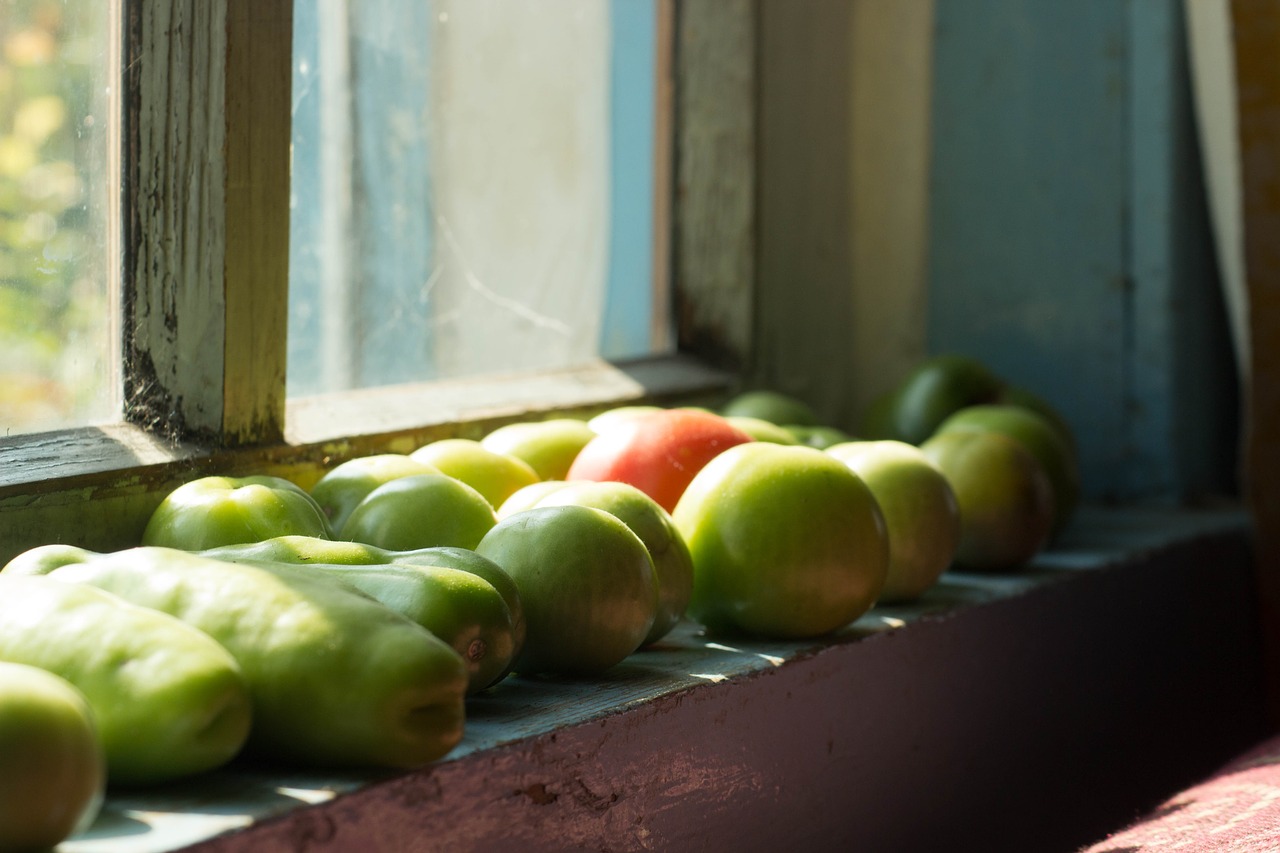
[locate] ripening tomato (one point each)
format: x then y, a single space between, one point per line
659 453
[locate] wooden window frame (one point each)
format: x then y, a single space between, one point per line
205 154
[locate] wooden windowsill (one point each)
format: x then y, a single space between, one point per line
1124 660
96 487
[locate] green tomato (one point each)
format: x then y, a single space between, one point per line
920 511
772 406
587 584
213 511
786 542
494 475
344 486
933 390
529 497
1005 497
168 700
673 567
422 511
52 766
820 437
1040 437
549 447
762 430
336 678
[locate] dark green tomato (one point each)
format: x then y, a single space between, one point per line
587 584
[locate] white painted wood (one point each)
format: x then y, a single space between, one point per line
174 325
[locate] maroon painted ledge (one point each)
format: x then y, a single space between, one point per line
1035 711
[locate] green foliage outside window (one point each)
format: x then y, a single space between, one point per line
55 314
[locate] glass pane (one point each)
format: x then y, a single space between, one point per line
472 188
58 352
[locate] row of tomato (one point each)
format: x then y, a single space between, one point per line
345 625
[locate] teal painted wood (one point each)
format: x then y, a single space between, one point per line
1028 247
1069 244
628 314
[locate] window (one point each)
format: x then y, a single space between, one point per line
474 189
208 103
57 243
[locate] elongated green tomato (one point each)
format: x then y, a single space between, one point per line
213 511
168 700
306 550
672 564
337 679
52 766
466 560
345 485
460 608
587 584
422 511
786 542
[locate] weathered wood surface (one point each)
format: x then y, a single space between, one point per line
714 246
96 487
206 247
1122 661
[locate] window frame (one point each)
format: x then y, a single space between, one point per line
204 276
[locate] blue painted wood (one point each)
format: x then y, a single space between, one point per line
1069 244
1028 245
1183 417
628 313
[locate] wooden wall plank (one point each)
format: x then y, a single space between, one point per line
892 87
175 234
1256 25
1028 254
206 253
803 342
714 244
257 119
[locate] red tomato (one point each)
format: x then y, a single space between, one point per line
659 453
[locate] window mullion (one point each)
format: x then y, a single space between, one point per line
207 243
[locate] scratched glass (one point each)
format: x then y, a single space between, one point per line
472 189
